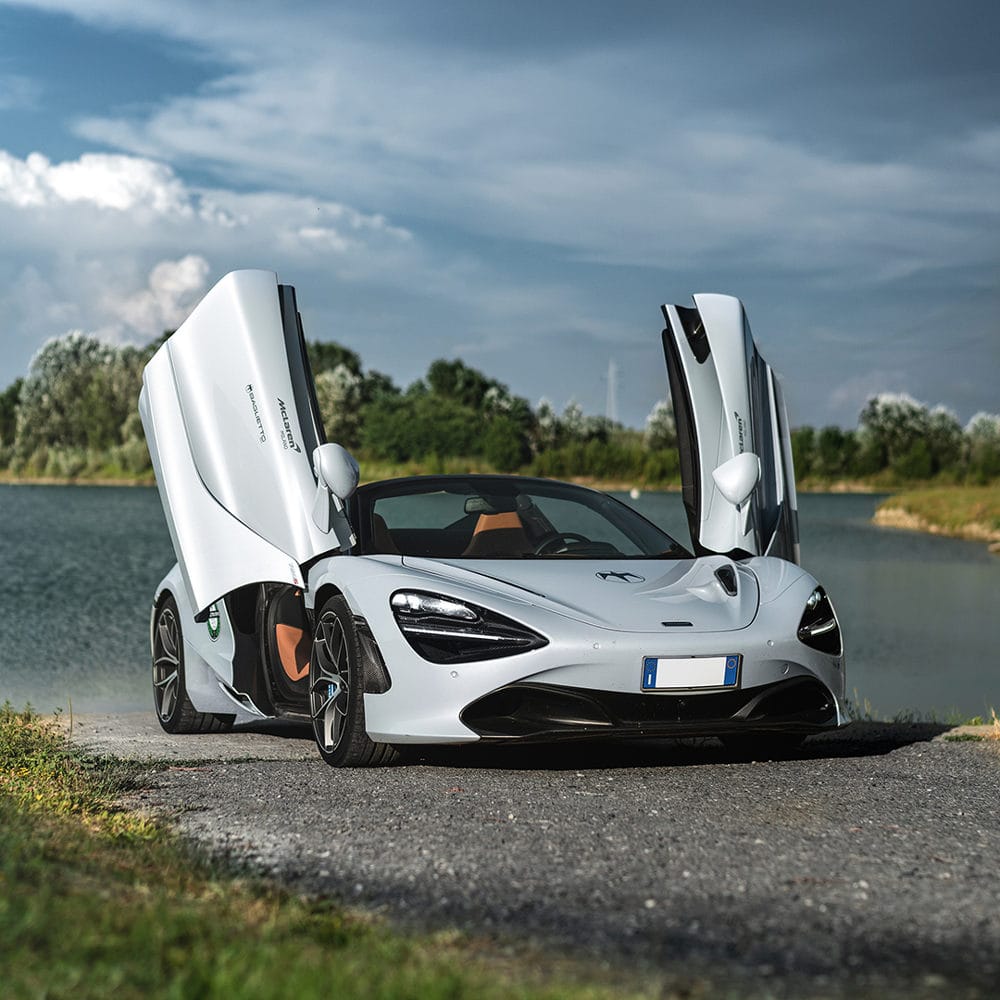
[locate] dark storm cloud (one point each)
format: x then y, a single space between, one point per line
560 169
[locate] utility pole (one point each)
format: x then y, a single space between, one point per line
611 410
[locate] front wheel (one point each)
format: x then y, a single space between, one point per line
336 692
170 697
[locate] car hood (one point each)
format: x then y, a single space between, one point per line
627 595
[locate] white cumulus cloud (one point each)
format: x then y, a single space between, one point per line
172 289
121 183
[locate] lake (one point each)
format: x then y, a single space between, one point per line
78 566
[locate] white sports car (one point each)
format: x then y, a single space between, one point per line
459 609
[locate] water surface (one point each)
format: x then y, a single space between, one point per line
78 566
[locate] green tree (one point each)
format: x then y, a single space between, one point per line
455 380
661 430
326 355
375 386
892 423
982 447
77 395
803 450
505 446
9 401
419 424
944 442
545 433
339 395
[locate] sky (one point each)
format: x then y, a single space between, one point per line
519 184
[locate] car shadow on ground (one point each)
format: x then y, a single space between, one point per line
857 739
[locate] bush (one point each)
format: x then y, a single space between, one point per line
504 445
415 426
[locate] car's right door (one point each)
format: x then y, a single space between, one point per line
727 402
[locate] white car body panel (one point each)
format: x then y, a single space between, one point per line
426 699
208 663
238 491
727 402
231 438
685 590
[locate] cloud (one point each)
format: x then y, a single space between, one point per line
18 92
457 180
173 288
116 183
587 152
121 246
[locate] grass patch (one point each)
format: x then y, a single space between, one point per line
860 709
972 511
96 900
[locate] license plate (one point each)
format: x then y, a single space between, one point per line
671 673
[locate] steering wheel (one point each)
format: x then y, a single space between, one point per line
548 543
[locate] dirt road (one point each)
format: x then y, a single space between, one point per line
871 863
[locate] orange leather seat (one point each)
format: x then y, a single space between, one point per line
498 535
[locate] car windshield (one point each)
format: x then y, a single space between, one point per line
470 517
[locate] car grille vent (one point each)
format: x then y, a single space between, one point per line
676 624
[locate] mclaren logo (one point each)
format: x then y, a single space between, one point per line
287 438
621 577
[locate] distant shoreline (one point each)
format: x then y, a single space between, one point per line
904 520
607 486
6 480
967 512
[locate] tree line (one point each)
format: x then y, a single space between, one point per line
74 415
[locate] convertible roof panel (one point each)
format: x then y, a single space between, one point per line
229 414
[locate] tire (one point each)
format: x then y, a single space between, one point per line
336 692
170 698
764 746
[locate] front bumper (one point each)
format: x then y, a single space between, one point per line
587 680
541 712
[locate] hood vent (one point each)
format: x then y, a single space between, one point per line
726 575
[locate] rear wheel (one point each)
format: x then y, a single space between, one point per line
170 698
336 692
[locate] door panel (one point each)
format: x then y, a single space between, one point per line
231 424
727 401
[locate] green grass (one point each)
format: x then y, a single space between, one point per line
953 509
97 900
860 709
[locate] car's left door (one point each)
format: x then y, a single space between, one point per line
231 421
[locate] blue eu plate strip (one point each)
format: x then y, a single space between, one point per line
732 665
648 672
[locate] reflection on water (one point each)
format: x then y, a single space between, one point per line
78 566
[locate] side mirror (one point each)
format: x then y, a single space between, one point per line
336 479
736 480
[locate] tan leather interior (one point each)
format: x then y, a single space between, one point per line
498 535
293 651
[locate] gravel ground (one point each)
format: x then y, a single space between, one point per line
867 865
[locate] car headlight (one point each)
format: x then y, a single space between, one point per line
445 630
818 626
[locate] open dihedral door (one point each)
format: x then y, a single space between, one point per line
728 403
231 420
